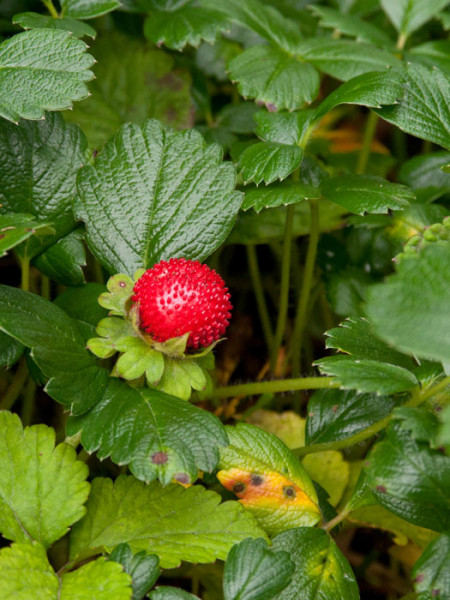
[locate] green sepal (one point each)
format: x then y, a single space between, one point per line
139 358
120 288
438 233
112 331
181 377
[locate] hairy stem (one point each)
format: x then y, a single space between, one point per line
284 291
300 318
369 133
258 290
272 387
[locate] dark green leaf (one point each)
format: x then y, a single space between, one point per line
31 20
283 128
424 109
81 304
63 261
424 175
274 78
409 315
409 478
409 15
344 59
38 169
87 9
164 592
431 573
155 194
158 435
268 161
239 118
321 570
15 228
57 347
135 81
420 422
172 522
367 376
190 24
432 54
253 572
336 415
142 568
277 195
42 69
10 350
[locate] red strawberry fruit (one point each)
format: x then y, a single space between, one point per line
180 296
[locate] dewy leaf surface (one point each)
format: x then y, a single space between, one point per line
155 194
174 523
410 310
42 69
38 168
157 434
268 479
42 488
321 570
253 572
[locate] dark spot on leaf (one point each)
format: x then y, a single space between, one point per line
160 458
271 107
94 153
256 479
438 408
2 235
122 284
182 478
238 488
335 407
435 592
171 81
310 414
419 578
289 492
381 489
171 115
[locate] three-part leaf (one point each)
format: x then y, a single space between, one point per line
409 15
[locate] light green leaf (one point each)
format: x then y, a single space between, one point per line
190 24
134 82
344 59
155 194
64 261
38 167
99 579
431 573
142 568
321 570
277 195
424 109
268 161
31 20
156 434
268 479
417 320
41 70
253 572
367 194
409 15
351 25
174 523
367 376
274 78
15 228
26 573
87 9
432 54
42 488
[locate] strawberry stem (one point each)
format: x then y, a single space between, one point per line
272 387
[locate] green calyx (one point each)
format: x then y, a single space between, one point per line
162 365
438 233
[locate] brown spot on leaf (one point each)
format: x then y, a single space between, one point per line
256 479
335 407
289 491
172 81
381 489
238 488
160 458
182 478
122 284
419 578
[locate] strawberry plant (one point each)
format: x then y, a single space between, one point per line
225 309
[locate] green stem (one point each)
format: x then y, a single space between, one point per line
13 392
28 402
25 267
401 41
300 318
51 9
417 397
336 520
276 386
284 291
45 287
369 133
258 289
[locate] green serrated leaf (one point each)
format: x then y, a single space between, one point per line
142 568
420 422
87 9
321 570
174 197
268 161
164 592
409 15
10 350
424 109
15 228
432 54
31 20
283 128
134 82
253 572
431 573
42 488
81 304
367 376
42 69
64 261
277 195
275 78
417 320
409 478
99 579
38 168
174 523
367 194
156 434
423 173
268 479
